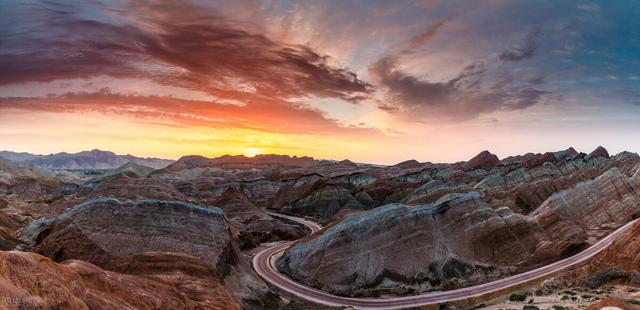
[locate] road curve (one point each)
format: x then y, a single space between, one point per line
313 226
264 264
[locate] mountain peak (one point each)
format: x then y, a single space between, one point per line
600 152
135 168
93 159
484 160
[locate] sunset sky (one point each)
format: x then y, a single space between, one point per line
371 81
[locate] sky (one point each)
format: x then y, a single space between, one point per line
371 81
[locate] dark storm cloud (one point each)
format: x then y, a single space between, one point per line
470 93
180 44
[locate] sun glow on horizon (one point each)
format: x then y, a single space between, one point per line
253 151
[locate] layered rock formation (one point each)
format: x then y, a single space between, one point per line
458 239
137 169
394 229
617 264
321 199
485 160
10 224
461 239
167 281
26 180
569 218
27 191
105 231
94 159
254 226
130 185
599 152
241 162
539 159
523 189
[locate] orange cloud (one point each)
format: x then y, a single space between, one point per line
181 44
265 115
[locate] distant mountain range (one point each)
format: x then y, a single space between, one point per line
94 159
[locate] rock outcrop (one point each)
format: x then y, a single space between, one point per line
167 281
10 224
94 159
27 180
523 189
538 160
254 226
105 231
240 162
617 264
397 229
321 199
566 154
569 218
434 190
132 167
599 152
130 185
458 240
485 160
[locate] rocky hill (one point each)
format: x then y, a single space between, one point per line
94 159
29 280
472 228
105 232
617 264
389 230
241 162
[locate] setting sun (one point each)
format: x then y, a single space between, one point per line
253 151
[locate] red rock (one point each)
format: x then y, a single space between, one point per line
599 152
517 159
408 164
568 153
265 161
538 160
167 281
105 231
485 160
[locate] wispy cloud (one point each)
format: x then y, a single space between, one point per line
524 50
471 92
177 44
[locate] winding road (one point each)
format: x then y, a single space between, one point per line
264 264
